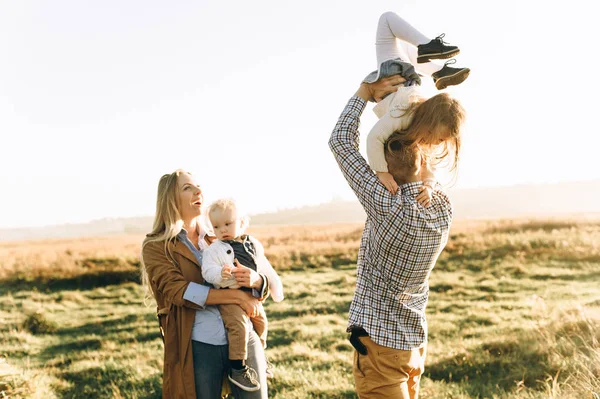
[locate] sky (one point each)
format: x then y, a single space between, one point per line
98 99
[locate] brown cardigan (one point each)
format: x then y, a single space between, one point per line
168 282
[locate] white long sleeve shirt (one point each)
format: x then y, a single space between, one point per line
220 253
392 117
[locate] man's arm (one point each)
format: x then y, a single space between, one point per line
375 199
343 142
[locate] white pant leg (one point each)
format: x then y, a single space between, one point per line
391 27
426 68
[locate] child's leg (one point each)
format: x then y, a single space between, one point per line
426 68
261 325
236 323
390 28
256 360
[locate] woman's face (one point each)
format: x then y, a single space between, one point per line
190 196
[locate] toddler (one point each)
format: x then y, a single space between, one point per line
397 42
232 246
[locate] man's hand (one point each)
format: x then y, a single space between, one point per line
388 181
377 90
246 277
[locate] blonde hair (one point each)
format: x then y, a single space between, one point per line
167 222
440 110
225 204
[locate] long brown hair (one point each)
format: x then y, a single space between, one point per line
167 221
439 111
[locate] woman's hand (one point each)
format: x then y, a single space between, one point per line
246 277
250 304
377 90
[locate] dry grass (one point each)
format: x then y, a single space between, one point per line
514 313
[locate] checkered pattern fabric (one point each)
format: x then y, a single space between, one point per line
400 244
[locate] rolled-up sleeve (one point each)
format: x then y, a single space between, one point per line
196 293
264 290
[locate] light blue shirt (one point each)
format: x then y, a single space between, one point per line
208 324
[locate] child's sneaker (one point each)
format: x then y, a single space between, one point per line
436 49
245 378
270 370
449 76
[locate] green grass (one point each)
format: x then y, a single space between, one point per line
514 312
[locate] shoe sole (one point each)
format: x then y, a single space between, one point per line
452 80
438 56
245 388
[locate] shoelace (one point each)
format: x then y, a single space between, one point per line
450 62
250 375
439 38
269 364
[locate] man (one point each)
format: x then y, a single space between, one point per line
399 247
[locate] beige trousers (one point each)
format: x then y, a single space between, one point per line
388 373
236 323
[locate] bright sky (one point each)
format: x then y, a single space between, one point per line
98 99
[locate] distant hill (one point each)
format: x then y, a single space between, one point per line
488 203
481 203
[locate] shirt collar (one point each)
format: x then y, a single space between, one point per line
183 235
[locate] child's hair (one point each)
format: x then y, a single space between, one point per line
440 110
224 204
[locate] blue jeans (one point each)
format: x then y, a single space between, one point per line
211 362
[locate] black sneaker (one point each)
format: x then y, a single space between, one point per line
437 49
245 378
449 76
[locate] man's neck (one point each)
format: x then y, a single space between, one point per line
407 179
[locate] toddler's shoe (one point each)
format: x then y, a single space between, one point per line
245 378
450 76
437 49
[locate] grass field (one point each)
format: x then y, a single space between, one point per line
514 312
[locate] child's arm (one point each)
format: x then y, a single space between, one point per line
376 139
429 180
212 269
392 121
264 266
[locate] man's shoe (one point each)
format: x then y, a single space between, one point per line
436 49
245 378
449 76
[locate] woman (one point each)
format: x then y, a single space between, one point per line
196 352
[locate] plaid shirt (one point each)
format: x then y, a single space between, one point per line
399 247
